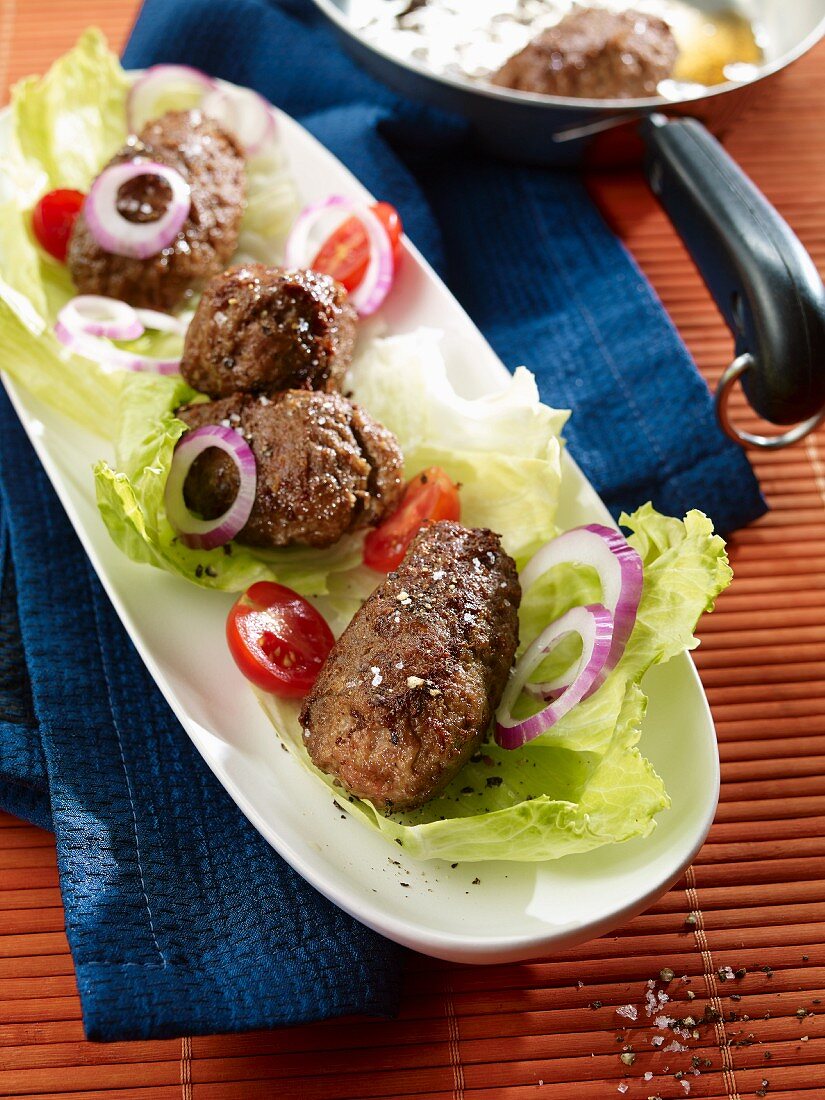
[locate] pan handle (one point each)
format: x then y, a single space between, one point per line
763 281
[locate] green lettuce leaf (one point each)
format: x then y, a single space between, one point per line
73 119
503 449
62 129
585 783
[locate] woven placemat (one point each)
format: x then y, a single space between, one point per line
746 925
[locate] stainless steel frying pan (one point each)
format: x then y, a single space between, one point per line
762 279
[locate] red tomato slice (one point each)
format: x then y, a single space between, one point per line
428 497
278 639
346 253
53 219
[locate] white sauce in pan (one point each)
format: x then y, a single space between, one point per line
471 39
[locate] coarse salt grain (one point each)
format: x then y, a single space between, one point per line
674 1047
630 1012
664 1021
685 1085
648 1076
622 1087
657 1040
377 678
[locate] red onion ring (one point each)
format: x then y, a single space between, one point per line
594 624
201 534
100 351
139 240
96 315
375 286
621 575
146 95
243 113
161 322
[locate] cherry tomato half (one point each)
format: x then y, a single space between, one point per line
278 639
428 497
346 253
53 219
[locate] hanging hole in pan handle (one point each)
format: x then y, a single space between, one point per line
751 439
763 281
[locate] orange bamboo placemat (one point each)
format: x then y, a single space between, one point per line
754 900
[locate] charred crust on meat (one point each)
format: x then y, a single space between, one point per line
442 630
314 471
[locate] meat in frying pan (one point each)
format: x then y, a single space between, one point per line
595 54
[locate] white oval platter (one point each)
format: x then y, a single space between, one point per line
517 910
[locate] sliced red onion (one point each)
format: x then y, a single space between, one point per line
621 575
243 113
375 286
95 315
154 89
101 351
594 624
162 322
202 534
117 234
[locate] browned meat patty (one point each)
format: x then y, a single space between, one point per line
212 164
324 467
595 54
413 683
263 329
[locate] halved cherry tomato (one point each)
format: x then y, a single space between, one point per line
428 497
346 253
278 639
53 219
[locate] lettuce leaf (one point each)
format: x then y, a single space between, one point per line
585 783
514 489
63 128
503 449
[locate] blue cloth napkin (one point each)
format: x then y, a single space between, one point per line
180 918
